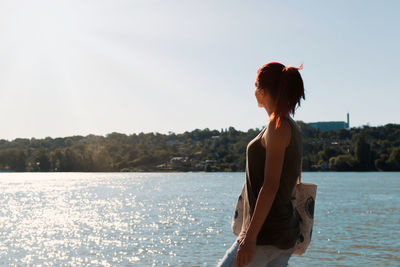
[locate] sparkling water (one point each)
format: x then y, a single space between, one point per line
183 219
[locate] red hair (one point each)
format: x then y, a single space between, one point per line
285 86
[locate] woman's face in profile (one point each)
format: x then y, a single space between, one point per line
264 99
259 94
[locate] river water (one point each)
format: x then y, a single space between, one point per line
183 219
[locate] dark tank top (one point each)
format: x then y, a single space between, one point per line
281 227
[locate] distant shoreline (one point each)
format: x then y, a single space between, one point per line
2 171
356 149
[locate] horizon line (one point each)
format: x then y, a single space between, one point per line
176 133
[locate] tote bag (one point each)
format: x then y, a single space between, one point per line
237 218
303 201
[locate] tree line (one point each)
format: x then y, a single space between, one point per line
356 149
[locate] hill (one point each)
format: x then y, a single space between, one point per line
356 149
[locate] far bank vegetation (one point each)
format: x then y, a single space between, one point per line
356 149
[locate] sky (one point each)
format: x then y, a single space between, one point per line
95 67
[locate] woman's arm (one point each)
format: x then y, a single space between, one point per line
276 141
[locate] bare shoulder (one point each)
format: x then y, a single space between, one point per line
278 136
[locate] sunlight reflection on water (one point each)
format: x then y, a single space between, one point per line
181 219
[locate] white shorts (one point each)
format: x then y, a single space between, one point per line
266 256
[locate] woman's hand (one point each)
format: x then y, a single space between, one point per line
245 251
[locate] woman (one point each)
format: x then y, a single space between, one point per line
270 225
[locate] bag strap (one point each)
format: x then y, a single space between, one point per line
301 164
293 197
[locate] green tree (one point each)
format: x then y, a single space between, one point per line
394 159
69 161
43 161
342 163
362 153
18 161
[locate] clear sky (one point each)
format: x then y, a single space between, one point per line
79 67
